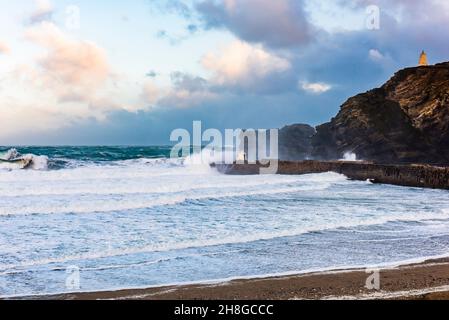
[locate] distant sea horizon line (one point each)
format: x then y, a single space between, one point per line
83 145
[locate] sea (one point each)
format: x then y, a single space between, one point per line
108 218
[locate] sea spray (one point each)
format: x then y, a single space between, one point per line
36 162
349 156
9 154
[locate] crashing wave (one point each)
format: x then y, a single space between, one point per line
350 156
13 160
9 155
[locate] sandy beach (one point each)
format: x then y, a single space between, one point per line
422 281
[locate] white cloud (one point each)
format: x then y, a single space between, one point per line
71 82
242 64
4 48
73 69
42 12
236 67
315 88
151 93
184 98
186 91
376 55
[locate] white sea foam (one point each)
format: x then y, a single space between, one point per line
227 240
125 215
105 205
9 155
143 184
37 162
350 156
10 166
389 295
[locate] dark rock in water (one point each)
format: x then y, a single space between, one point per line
404 121
295 142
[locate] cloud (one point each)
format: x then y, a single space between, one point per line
315 88
187 91
352 58
151 74
243 65
411 20
277 72
74 69
31 118
173 6
192 28
43 11
69 83
176 39
239 68
184 98
151 93
375 55
4 48
405 9
280 23
188 82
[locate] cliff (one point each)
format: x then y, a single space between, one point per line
295 142
404 121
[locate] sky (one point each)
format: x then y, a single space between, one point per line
101 72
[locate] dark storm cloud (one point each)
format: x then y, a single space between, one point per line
280 23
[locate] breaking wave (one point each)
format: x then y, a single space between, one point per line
15 161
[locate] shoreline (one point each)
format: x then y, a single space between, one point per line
420 280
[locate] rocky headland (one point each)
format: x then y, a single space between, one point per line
404 121
400 130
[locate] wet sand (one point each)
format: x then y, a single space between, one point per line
428 280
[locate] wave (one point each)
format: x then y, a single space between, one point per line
66 158
9 154
14 269
108 205
36 162
72 160
141 187
206 243
57 158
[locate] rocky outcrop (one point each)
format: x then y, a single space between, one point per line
404 121
295 142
